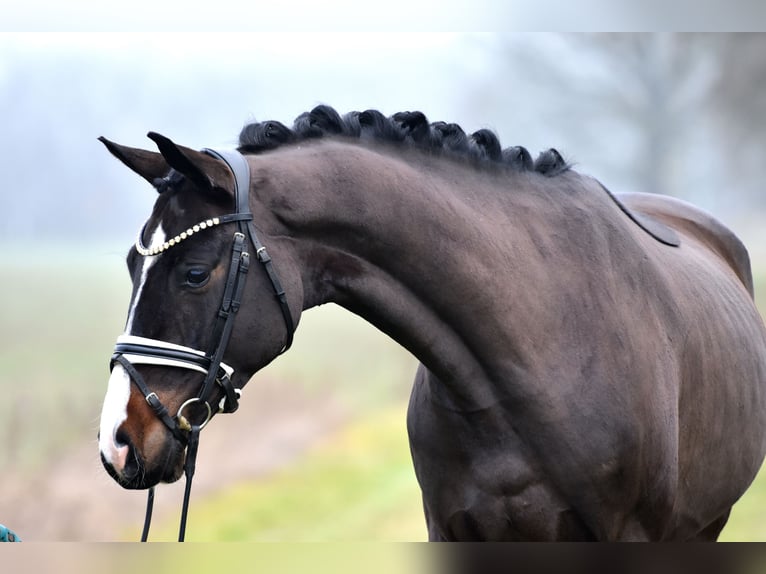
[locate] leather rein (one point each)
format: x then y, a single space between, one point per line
131 350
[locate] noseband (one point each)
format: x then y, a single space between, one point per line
131 350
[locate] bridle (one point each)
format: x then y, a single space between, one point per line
131 350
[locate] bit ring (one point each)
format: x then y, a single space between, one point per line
183 422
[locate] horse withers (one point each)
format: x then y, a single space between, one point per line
593 366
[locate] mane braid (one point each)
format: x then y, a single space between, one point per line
405 128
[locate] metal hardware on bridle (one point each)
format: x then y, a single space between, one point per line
131 350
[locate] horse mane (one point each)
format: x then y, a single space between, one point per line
403 128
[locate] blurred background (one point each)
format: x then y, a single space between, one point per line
318 451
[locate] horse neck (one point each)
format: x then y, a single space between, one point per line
406 246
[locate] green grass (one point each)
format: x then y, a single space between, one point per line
747 522
357 486
759 280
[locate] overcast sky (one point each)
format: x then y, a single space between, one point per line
263 75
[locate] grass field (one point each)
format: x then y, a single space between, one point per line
748 517
59 322
358 485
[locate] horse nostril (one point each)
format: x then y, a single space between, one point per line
121 439
121 459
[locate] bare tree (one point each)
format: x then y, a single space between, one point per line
666 113
737 103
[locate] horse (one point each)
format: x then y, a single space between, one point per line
592 366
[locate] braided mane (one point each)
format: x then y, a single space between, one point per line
405 128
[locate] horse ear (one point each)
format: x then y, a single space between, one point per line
204 170
148 164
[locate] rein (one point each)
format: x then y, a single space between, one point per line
131 350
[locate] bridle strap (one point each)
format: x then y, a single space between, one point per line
148 515
189 467
140 350
241 170
279 291
235 283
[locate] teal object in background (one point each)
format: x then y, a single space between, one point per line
7 535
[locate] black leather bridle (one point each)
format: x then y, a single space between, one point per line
131 350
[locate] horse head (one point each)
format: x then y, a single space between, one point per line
183 357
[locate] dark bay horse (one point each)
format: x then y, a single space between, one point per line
581 377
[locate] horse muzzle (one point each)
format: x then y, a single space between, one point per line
127 464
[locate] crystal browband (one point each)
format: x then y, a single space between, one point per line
144 251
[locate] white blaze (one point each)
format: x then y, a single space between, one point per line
113 414
158 238
115 409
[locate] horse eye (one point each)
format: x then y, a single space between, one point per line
197 277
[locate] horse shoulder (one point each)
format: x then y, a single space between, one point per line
694 222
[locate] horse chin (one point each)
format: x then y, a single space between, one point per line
173 467
168 470
174 472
